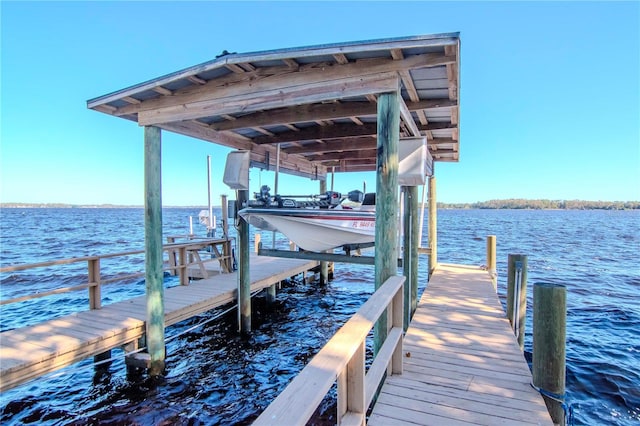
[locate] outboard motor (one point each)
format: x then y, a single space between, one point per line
355 196
263 197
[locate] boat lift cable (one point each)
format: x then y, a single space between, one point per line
166 340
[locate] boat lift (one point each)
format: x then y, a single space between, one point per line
412 172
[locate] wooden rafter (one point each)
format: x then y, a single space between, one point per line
312 112
341 144
253 97
196 80
286 76
131 100
337 131
161 90
318 103
344 155
407 118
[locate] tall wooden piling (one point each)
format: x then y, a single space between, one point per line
433 225
410 252
517 294
491 260
154 274
225 218
386 260
549 337
244 282
324 265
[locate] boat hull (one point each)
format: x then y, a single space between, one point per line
315 229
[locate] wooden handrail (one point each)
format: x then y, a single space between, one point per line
94 279
23 267
342 360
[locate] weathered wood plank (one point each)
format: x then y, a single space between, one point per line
283 78
299 400
413 416
29 352
462 363
273 95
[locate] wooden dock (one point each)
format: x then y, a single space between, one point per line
462 364
30 352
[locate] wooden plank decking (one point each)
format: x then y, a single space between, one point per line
462 364
30 352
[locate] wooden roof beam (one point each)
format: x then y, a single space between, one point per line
265 157
452 72
442 143
341 58
291 63
278 93
337 131
262 78
342 144
196 80
344 155
295 164
204 132
161 90
131 100
312 112
407 118
327 132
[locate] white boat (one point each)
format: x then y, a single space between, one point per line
316 225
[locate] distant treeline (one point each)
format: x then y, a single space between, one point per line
518 203
515 203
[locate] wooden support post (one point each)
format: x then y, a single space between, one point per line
183 272
257 239
324 265
433 225
415 237
410 255
226 247
271 293
271 290
351 388
244 282
386 261
405 223
355 384
102 361
549 338
95 292
173 261
95 302
491 260
517 294
397 320
154 275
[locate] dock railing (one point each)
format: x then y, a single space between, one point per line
184 255
342 360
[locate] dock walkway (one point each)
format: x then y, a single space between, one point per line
462 364
29 352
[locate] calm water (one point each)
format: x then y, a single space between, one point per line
217 377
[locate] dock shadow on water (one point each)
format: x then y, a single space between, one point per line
214 375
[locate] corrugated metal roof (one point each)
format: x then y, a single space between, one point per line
319 98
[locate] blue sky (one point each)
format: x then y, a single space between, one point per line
549 93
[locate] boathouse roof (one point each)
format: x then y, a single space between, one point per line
317 102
